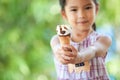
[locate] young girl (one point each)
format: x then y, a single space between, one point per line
86 44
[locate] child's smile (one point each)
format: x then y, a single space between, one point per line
82 23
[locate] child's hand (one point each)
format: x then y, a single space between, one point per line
67 54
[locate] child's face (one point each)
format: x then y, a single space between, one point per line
80 13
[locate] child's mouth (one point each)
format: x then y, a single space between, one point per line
82 22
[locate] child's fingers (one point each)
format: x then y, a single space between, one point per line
67 48
63 60
66 53
69 54
69 51
72 48
65 57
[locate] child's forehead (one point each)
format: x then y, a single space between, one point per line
78 2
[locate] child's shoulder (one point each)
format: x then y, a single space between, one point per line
104 37
100 34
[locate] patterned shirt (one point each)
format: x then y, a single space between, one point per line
97 64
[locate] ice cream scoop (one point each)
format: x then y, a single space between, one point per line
63 30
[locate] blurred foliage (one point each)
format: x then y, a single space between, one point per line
109 12
26 27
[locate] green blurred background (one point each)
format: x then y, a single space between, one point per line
26 27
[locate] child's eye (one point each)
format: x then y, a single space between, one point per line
88 7
73 9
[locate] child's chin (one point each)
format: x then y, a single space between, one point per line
83 28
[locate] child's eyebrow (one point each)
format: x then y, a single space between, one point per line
89 4
73 6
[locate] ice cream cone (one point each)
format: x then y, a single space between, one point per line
64 32
64 40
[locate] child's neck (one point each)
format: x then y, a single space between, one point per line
80 35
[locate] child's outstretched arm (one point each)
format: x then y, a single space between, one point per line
65 54
99 49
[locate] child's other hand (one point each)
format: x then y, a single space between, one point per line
66 54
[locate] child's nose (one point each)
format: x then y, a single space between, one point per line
81 14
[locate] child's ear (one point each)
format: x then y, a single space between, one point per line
64 15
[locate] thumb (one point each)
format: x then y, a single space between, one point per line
67 48
73 48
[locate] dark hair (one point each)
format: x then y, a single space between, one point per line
63 3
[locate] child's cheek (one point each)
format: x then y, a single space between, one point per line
72 18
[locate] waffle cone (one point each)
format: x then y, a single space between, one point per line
64 40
